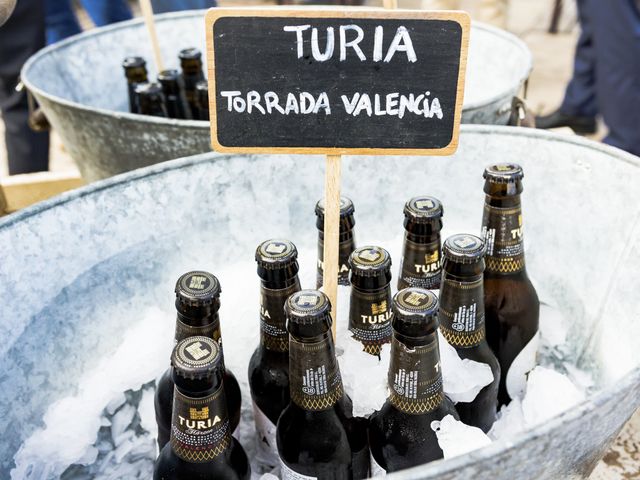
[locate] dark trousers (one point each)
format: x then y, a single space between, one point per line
161 6
606 77
62 21
20 37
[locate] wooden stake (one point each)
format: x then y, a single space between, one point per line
332 232
390 4
147 12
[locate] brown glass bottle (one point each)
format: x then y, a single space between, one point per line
312 435
173 93
202 95
197 303
370 300
135 71
421 263
346 238
201 445
191 65
461 317
511 303
269 364
151 100
400 433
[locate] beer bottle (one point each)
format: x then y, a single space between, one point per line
313 442
400 433
269 365
346 238
151 100
201 445
135 71
421 263
461 319
176 104
191 64
510 301
202 94
197 303
370 306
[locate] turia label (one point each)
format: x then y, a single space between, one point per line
315 377
344 250
273 328
421 265
415 377
502 233
199 427
370 318
461 312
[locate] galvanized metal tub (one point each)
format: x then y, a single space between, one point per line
79 84
72 265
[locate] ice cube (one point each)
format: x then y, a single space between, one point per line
455 438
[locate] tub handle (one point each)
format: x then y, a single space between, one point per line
520 116
37 119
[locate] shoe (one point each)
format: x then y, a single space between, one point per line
579 124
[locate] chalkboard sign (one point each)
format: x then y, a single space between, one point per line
346 81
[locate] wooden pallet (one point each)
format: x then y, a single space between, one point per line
20 191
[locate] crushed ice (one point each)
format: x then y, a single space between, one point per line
116 437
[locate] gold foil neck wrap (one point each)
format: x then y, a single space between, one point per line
416 407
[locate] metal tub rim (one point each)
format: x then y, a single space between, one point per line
24 74
524 75
98 31
626 382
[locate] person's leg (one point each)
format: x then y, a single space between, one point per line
161 6
21 37
580 95
579 107
493 12
60 20
105 12
617 41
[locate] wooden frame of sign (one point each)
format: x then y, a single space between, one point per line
234 72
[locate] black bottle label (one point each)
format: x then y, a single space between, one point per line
421 265
273 329
185 331
314 375
344 250
415 379
370 318
200 429
502 232
461 312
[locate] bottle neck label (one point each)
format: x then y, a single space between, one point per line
212 330
415 378
502 232
184 330
421 265
315 379
344 250
461 311
200 430
370 318
273 328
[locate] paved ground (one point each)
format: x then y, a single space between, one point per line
553 55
